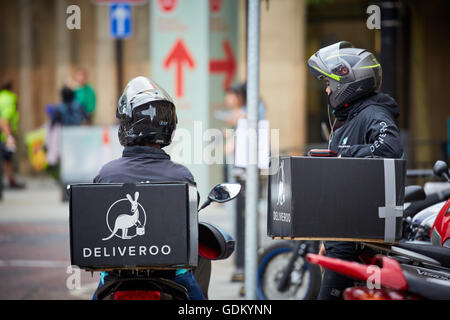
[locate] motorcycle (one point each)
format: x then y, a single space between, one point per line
284 273
413 269
149 284
420 215
395 282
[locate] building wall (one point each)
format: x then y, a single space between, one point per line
283 70
42 53
38 53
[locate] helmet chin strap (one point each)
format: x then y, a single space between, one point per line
331 126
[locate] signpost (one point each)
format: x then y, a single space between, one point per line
132 2
180 57
226 66
120 27
120 17
193 52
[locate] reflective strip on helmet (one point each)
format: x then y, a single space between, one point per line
372 66
367 67
332 76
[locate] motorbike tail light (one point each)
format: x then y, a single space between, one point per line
137 295
207 252
363 293
360 293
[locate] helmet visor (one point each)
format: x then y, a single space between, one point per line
324 63
332 55
139 91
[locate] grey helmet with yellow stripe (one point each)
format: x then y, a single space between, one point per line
350 72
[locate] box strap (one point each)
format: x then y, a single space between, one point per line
390 211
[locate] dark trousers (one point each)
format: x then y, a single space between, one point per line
334 284
187 280
202 274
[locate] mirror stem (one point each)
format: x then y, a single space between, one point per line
205 204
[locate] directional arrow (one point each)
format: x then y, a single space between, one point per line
180 56
121 14
227 66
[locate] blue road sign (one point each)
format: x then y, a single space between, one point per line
120 20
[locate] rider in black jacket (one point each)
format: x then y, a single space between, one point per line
369 130
364 127
147 118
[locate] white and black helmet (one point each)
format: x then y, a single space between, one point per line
146 114
350 72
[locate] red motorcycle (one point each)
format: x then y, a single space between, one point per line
415 270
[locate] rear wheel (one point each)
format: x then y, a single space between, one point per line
304 280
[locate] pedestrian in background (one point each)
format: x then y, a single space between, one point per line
84 93
69 112
236 102
10 119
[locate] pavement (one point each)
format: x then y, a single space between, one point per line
35 252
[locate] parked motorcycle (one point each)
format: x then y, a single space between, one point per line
148 284
419 216
284 273
396 282
413 270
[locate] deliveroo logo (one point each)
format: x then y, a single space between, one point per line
344 142
126 221
281 192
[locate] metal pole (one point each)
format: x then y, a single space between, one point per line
251 203
119 65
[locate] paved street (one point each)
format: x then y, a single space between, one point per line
34 247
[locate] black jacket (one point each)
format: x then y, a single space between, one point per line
142 164
369 130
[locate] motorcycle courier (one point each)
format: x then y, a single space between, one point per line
138 222
354 204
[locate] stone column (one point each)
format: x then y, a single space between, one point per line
283 70
63 46
105 72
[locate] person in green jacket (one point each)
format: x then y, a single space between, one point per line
10 118
84 93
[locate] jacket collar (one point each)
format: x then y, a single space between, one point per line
145 151
358 105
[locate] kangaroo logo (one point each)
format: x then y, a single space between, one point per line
281 194
126 221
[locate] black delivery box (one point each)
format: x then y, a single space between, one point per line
133 226
350 199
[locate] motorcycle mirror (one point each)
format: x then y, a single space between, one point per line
440 168
222 193
414 193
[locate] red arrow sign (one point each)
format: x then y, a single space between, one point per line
227 66
179 55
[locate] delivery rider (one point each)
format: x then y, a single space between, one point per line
147 118
364 127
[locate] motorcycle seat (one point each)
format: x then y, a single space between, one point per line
440 254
